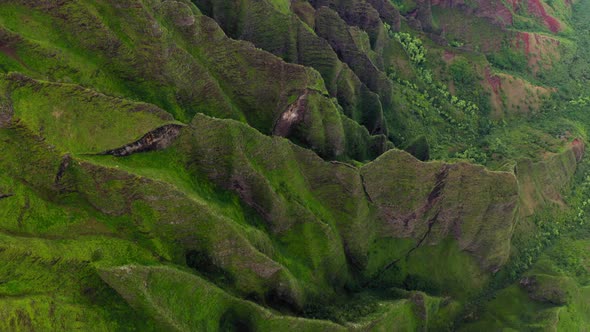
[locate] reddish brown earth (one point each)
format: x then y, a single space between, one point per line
578 148
510 94
448 56
500 12
524 37
536 8
495 10
494 81
541 51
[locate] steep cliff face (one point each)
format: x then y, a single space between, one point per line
240 165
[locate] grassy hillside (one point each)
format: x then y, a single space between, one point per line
334 165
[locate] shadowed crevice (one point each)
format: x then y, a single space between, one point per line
2 196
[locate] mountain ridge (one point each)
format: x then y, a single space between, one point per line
319 165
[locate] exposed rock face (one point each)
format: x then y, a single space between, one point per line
63 167
291 117
6 112
536 8
156 139
542 51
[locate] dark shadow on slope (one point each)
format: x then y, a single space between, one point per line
235 321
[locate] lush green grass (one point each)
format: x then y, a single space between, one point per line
76 120
229 228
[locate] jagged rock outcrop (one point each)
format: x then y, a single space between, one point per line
157 139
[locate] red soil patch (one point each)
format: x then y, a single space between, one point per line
505 15
525 38
515 4
495 10
536 8
510 95
542 52
578 148
553 24
448 56
494 81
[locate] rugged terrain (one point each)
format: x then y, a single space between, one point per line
321 165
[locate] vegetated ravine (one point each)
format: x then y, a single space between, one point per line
314 165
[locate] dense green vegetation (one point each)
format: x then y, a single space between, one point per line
337 165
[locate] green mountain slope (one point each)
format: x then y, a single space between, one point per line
337 165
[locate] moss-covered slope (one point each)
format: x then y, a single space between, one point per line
240 165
